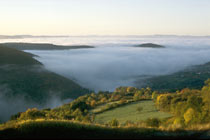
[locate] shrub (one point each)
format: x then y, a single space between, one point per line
114 122
122 101
139 109
129 123
153 122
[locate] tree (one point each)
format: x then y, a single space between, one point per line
163 101
137 96
131 89
82 105
189 116
93 103
153 122
195 102
148 92
114 122
154 95
103 100
206 94
33 113
77 113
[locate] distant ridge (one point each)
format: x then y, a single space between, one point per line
42 46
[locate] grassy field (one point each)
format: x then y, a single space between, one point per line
130 112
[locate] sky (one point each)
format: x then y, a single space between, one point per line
105 17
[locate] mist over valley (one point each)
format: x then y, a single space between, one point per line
115 61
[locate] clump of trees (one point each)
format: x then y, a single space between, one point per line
189 106
114 122
79 109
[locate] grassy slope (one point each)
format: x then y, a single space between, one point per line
25 76
68 129
192 77
43 46
129 112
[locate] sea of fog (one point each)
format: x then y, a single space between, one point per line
115 62
112 63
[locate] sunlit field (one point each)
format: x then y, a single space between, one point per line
130 113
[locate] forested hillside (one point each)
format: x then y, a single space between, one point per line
192 77
25 76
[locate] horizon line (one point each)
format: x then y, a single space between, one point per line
95 35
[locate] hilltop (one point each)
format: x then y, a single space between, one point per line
150 45
42 46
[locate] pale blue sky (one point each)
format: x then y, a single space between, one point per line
105 17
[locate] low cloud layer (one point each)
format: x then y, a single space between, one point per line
116 63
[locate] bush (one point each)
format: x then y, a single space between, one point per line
153 122
139 109
114 122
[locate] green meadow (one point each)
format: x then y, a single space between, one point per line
130 112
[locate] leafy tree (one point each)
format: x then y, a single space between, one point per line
131 89
33 113
189 116
82 105
114 122
154 95
153 122
138 95
195 102
93 103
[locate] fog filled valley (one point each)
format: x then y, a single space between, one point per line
93 78
115 61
